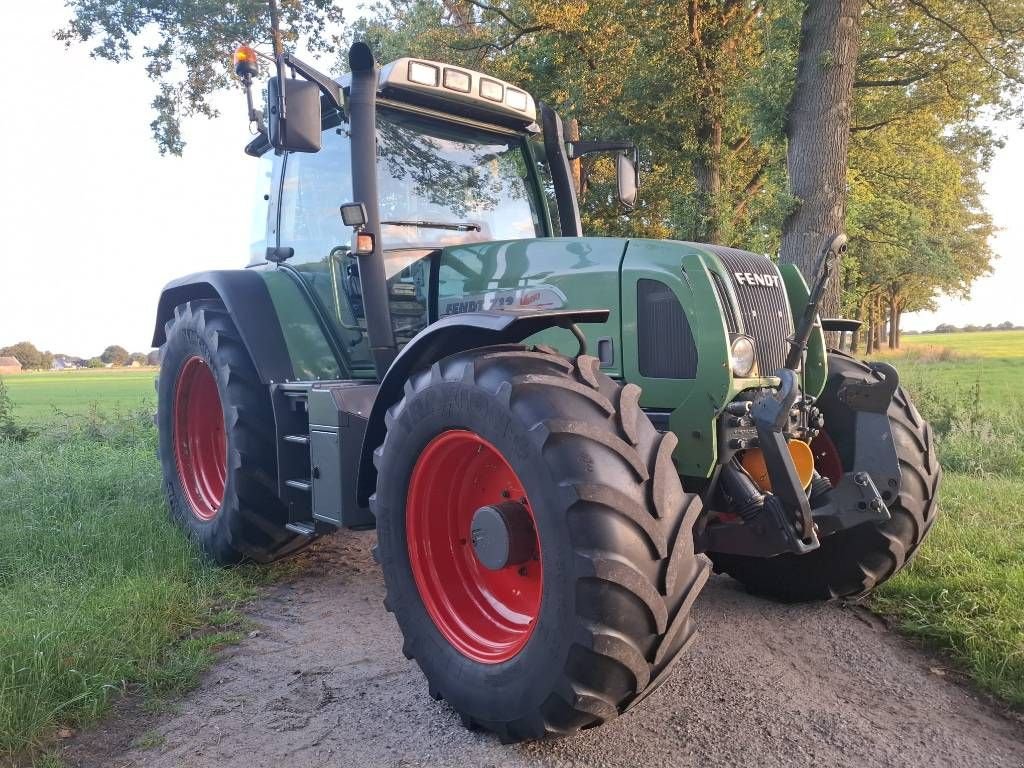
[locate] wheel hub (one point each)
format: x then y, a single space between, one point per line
503 535
473 550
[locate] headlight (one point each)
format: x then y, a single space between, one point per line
741 355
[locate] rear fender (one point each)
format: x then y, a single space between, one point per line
448 336
245 296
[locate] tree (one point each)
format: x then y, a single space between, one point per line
191 56
137 357
114 355
153 358
94 362
26 354
818 131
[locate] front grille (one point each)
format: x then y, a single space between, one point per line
764 309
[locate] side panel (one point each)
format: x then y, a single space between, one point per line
304 334
693 402
545 274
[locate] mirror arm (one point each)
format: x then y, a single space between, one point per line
577 149
327 86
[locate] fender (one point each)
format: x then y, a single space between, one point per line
248 301
448 336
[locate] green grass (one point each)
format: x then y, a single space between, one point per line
98 590
1002 344
964 592
44 396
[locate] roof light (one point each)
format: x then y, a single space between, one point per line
424 74
246 62
515 99
457 80
491 89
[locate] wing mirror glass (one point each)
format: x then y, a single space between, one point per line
628 179
299 129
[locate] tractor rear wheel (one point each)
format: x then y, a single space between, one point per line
217 440
852 562
535 539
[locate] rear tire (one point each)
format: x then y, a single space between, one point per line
613 523
852 562
245 520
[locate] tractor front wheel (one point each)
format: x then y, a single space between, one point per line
217 440
535 539
852 562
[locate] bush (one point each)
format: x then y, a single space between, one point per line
970 436
9 429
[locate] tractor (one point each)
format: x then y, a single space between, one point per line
556 437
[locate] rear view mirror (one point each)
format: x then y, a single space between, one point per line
299 130
628 180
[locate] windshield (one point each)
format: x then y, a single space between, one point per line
441 184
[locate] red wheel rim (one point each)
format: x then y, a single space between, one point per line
486 615
200 440
827 460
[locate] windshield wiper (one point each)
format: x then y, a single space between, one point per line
457 226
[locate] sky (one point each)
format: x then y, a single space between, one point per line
96 221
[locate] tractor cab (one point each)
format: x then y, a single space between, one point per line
460 159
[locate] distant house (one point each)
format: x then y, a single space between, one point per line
9 365
63 364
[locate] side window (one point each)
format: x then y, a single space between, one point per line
547 184
261 228
315 185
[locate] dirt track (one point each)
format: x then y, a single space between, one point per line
324 683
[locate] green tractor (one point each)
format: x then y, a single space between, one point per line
556 437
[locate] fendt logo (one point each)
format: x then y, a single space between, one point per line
749 278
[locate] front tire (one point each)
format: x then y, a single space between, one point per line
603 606
852 562
217 440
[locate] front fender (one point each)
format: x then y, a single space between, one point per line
448 336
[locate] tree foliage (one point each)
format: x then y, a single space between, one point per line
704 88
186 47
114 355
26 353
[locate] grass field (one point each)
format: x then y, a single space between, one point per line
45 396
98 591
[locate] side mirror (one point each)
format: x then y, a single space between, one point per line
299 129
628 180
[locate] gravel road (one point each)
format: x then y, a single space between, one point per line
324 683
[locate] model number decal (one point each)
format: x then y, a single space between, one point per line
535 297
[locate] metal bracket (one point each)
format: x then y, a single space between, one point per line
872 396
771 533
854 502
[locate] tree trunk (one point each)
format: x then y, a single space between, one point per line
879 322
818 130
899 330
855 336
893 322
870 340
707 172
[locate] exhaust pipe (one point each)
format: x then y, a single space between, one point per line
372 278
